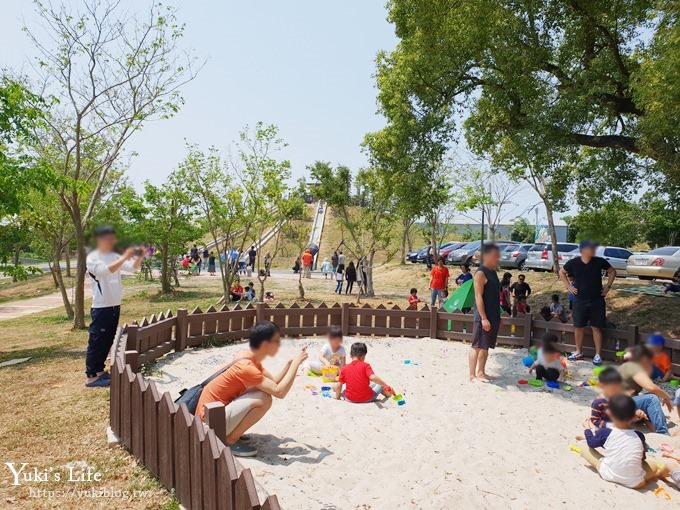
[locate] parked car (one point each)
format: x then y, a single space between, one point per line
469 253
502 245
616 256
448 248
412 256
659 263
422 255
539 256
514 257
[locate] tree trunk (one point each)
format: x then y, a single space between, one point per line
553 235
301 289
67 256
369 276
56 271
406 223
54 277
81 269
15 261
166 272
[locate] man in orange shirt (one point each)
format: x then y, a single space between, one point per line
247 388
307 260
439 281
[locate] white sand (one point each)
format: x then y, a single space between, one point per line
453 445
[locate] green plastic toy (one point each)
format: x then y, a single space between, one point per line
537 383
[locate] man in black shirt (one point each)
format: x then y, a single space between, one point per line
589 306
520 290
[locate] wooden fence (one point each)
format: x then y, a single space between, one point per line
193 459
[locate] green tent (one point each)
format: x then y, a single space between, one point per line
463 297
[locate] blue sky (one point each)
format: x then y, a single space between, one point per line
305 65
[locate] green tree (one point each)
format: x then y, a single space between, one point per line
615 222
367 228
572 74
109 72
20 113
522 231
168 224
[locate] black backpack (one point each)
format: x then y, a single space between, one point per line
190 396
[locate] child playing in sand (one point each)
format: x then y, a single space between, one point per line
331 354
663 369
548 364
610 384
413 299
360 382
339 277
623 461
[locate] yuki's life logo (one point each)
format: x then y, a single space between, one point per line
22 473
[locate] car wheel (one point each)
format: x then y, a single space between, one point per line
520 266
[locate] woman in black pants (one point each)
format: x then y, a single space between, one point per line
350 277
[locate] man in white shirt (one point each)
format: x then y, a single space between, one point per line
103 267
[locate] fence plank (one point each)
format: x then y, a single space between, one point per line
209 456
127 381
196 439
151 427
216 419
114 405
226 480
271 503
182 455
166 440
181 329
246 493
137 410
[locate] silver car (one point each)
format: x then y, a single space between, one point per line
616 256
539 256
659 263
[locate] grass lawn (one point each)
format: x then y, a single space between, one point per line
50 419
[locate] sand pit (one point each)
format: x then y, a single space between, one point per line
453 445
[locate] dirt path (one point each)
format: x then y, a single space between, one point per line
21 307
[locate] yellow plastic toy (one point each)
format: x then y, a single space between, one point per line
329 374
574 448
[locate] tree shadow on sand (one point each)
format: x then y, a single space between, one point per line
273 453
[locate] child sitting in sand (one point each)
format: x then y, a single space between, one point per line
610 383
623 461
331 354
360 382
548 364
557 310
413 299
663 369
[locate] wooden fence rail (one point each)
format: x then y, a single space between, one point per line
192 457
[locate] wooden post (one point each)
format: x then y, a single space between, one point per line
132 359
527 330
344 323
259 312
216 419
433 322
634 336
131 342
181 332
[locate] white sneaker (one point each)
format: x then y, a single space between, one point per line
597 360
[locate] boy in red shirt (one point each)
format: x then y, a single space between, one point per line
361 384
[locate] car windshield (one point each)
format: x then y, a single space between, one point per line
666 250
538 247
471 246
